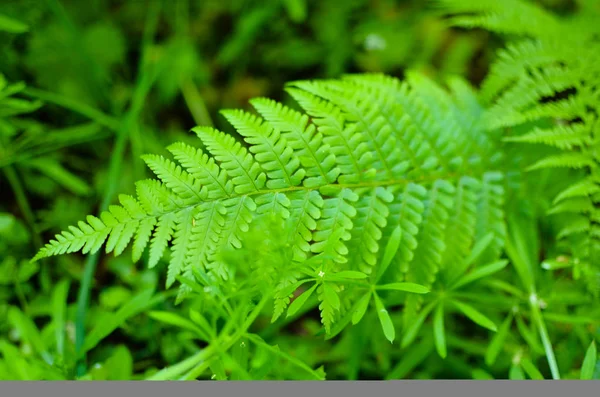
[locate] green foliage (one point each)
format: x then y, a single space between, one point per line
438 221
333 221
549 75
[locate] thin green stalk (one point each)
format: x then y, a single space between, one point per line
175 370
75 106
22 202
142 88
26 211
291 359
194 366
195 104
195 372
536 316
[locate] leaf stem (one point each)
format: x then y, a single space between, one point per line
539 322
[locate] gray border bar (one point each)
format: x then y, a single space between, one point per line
412 388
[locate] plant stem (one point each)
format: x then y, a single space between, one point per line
195 104
197 364
539 322
75 106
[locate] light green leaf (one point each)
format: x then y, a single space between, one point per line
439 333
516 373
59 313
384 318
407 287
300 301
497 341
361 308
138 304
531 369
11 25
199 319
178 321
589 362
350 274
475 315
29 332
411 332
479 248
331 296
390 252
480 272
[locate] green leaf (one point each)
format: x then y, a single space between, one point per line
529 336
439 333
390 252
55 171
257 340
300 301
218 368
199 319
407 287
361 308
180 322
29 332
531 369
11 25
240 356
120 365
287 291
497 342
412 331
138 304
59 313
516 373
589 362
384 318
480 374
480 272
479 248
413 356
331 296
475 315
350 274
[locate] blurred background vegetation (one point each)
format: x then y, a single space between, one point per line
86 87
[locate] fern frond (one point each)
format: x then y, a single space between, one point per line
545 82
309 195
507 16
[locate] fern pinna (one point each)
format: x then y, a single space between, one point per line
547 83
377 180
